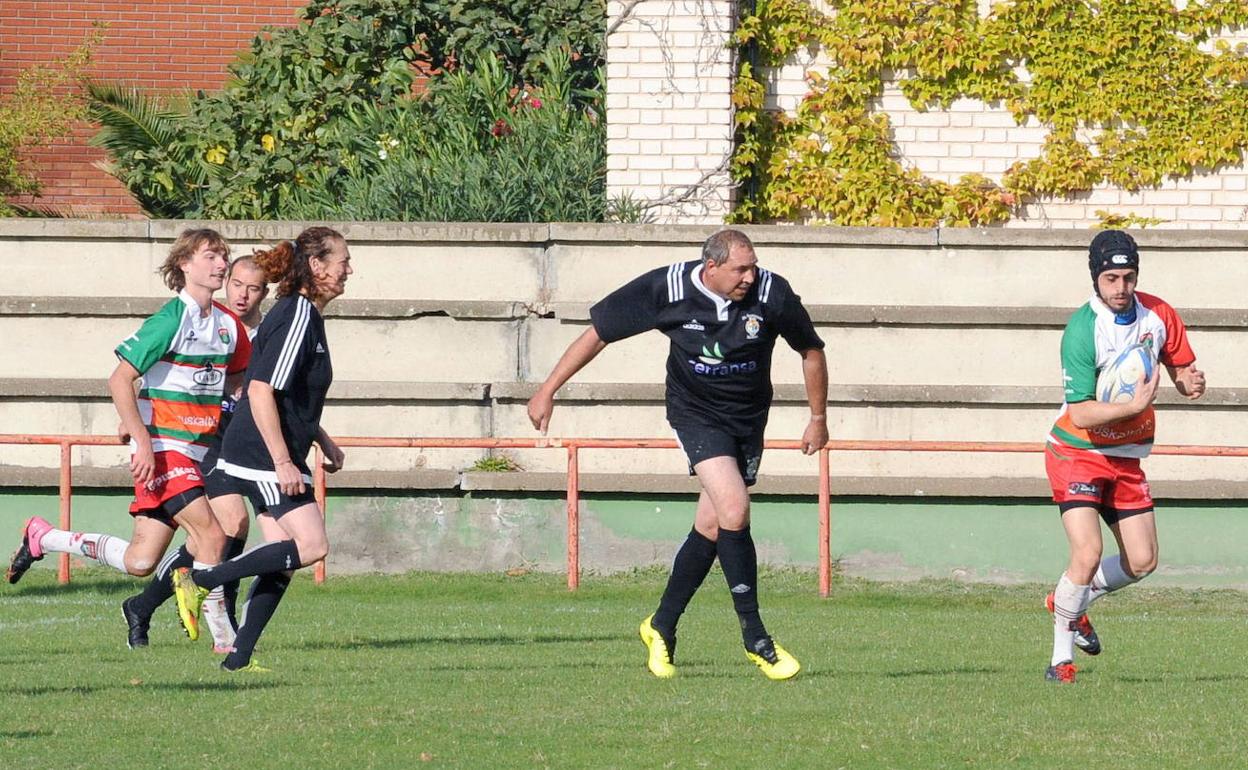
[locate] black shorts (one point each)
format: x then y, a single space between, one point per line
702 442
267 497
171 507
219 484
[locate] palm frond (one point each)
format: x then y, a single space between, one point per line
129 120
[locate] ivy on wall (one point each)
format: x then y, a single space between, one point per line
1127 94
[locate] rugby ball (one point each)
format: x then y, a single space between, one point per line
1116 382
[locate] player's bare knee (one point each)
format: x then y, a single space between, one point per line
1083 565
140 566
1140 567
708 530
313 551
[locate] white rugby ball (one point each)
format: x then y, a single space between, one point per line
1117 382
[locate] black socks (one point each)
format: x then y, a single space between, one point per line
266 593
271 557
233 547
693 561
160 588
739 562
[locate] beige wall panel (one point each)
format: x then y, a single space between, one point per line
430 349
407 420
487 271
83 267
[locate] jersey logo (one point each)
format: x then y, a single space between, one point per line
224 335
208 376
190 336
320 348
753 324
694 326
713 356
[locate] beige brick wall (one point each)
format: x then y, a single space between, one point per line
669 116
656 108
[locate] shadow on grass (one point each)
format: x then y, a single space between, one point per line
910 674
94 585
226 686
22 734
956 670
57 689
487 641
1172 677
512 667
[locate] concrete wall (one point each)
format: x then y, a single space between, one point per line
445 329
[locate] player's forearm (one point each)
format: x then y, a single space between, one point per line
1094 414
582 350
125 400
815 375
264 412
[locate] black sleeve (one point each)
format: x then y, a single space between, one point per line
283 346
631 309
795 324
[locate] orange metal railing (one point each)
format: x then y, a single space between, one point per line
572 446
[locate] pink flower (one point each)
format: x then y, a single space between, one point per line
535 103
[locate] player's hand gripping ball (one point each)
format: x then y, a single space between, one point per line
1117 382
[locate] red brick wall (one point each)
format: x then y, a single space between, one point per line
162 45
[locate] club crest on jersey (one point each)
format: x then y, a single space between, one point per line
224 334
694 326
1146 339
753 325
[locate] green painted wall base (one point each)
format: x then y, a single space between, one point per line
1202 545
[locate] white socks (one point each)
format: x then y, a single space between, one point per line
1069 602
105 549
1109 577
216 617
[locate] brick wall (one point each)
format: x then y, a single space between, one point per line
162 45
669 111
669 123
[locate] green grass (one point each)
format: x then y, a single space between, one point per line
494 671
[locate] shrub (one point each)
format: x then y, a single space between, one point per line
285 133
43 106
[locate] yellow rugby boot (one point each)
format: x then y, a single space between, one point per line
190 598
773 660
659 659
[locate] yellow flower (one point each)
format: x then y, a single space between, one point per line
268 142
216 155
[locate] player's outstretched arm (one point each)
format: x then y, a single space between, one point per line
815 375
334 456
582 350
121 387
1094 414
1188 380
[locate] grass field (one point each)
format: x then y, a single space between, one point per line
495 671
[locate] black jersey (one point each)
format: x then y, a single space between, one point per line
289 352
719 364
228 404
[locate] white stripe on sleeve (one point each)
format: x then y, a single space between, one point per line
290 347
